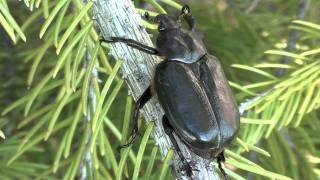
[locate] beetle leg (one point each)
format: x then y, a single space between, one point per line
169 131
132 43
221 159
187 16
144 98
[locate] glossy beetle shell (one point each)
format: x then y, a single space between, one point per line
178 44
185 46
199 104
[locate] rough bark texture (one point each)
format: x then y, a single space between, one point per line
119 18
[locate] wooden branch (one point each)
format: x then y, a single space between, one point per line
119 18
293 34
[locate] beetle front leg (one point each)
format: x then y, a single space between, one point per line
144 98
132 43
169 131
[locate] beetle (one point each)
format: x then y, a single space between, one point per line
192 89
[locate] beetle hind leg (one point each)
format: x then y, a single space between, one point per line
169 131
144 98
221 159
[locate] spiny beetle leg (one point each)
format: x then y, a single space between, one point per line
106 40
131 43
221 159
144 98
169 131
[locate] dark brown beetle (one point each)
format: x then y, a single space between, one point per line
192 89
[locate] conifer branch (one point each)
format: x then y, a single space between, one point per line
293 34
87 159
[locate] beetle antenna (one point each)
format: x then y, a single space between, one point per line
184 11
148 17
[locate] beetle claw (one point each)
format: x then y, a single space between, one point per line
187 169
107 40
131 141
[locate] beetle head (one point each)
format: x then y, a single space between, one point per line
175 42
166 22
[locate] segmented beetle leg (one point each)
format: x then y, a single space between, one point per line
125 145
187 168
169 131
131 141
132 43
144 98
106 40
220 160
192 163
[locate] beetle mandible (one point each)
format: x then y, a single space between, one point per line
191 88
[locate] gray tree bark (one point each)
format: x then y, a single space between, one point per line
119 18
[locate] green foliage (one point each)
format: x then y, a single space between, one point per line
65 110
